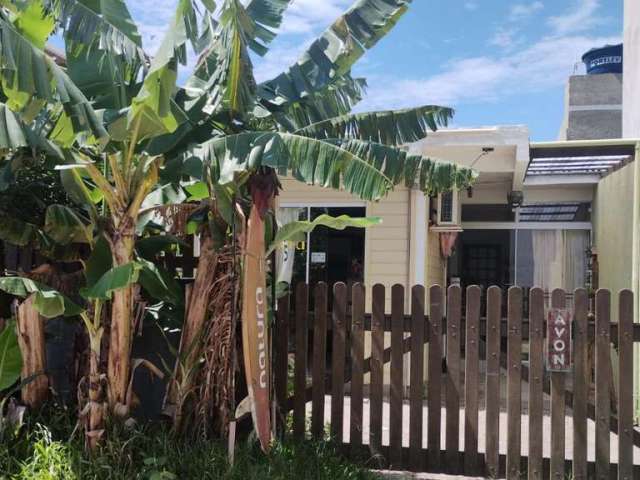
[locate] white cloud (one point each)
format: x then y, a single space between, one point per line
307 16
504 38
521 11
545 64
471 5
579 18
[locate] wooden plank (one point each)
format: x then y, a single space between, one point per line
357 361
416 388
581 382
339 315
281 361
471 381
396 392
492 395
558 409
603 399
377 353
536 377
452 402
300 368
435 377
514 382
625 386
319 360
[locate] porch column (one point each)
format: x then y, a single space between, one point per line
418 236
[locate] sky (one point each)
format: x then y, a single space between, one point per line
497 62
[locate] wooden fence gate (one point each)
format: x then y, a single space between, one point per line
466 392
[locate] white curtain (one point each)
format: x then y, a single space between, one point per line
285 254
559 259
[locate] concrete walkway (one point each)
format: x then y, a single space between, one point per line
482 429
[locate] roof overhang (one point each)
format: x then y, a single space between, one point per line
577 162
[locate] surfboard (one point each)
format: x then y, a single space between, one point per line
255 331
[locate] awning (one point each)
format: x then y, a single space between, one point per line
590 160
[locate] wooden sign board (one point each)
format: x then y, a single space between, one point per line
559 340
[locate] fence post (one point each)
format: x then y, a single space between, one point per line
536 376
339 317
558 300
514 381
625 388
492 395
300 369
377 348
472 383
603 399
357 365
281 361
416 389
452 391
319 360
396 389
581 381
434 387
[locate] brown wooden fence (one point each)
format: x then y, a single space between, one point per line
466 401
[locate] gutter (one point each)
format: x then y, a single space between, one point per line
614 142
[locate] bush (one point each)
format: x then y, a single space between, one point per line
150 452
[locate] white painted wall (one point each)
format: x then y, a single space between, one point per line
631 84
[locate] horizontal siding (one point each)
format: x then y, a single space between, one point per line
294 191
387 245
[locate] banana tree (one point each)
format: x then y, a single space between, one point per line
297 124
122 129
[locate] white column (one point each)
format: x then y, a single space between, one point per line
418 253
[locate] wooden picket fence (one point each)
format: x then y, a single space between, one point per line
481 351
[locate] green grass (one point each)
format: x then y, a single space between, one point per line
150 452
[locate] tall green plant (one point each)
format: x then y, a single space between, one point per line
121 129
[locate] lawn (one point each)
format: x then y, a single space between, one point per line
48 447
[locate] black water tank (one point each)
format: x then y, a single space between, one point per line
607 59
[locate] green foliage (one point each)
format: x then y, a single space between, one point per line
335 51
64 227
48 302
312 161
49 460
396 127
107 24
10 358
149 452
294 231
114 279
35 77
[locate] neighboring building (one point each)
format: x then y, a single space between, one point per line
593 107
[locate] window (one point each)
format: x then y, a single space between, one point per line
325 255
448 208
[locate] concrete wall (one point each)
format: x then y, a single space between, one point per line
631 124
631 114
593 107
613 230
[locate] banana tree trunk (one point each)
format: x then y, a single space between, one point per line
32 348
119 364
95 427
195 317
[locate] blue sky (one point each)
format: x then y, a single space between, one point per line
495 61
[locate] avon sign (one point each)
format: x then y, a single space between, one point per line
559 340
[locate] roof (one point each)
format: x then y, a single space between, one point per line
590 160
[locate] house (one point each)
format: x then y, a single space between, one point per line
503 229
